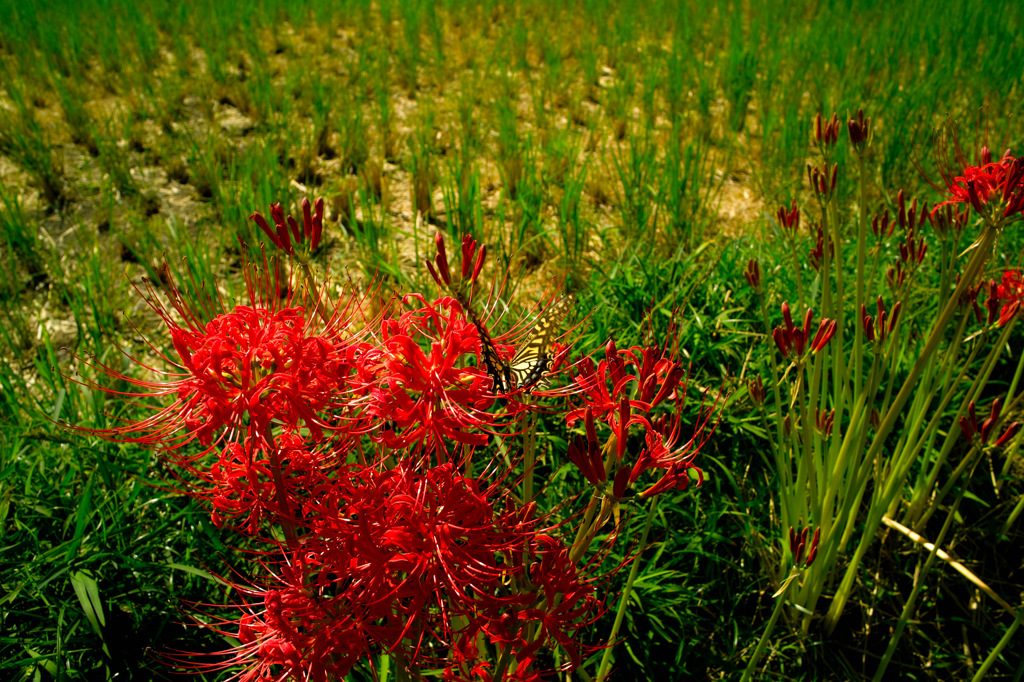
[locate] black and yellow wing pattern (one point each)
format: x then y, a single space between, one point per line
533 356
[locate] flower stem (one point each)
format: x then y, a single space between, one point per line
970 274
606 660
780 601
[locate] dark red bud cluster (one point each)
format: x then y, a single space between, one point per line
756 390
790 339
879 328
824 420
912 250
472 261
895 277
860 131
881 226
949 219
798 544
823 180
468 251
826 132
789 219
753 274
970 429
910 218
286 234
817 252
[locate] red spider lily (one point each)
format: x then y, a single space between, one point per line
623 390
247 368
427 396
664 451
1011 292
994 189
562 602
240 483
1001 180
403 557
642 376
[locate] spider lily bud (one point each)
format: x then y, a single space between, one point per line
753 274
1010 432
992 302
480 257
623 430
585 454
826 133
817 252
789 220
798 544
969 423
258 218
882 227
468 250
621 483
826 330
824 420
442 259
860 132
823 181
286 233
989 424
756 390
795 338
433 273
589 422
868 323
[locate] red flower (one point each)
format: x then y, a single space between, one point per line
1011 292
994 189
623 391
427 396
245 369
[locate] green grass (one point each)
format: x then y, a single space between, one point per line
635 151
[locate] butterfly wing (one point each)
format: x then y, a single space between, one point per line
534 354
496 369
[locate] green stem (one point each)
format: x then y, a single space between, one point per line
994 654
780 601
911 605
970 274
606 660
862 238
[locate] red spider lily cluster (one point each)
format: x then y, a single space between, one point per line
351 439
992 188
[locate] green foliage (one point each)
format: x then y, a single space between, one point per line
600 145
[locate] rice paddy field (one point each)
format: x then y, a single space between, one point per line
697 175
